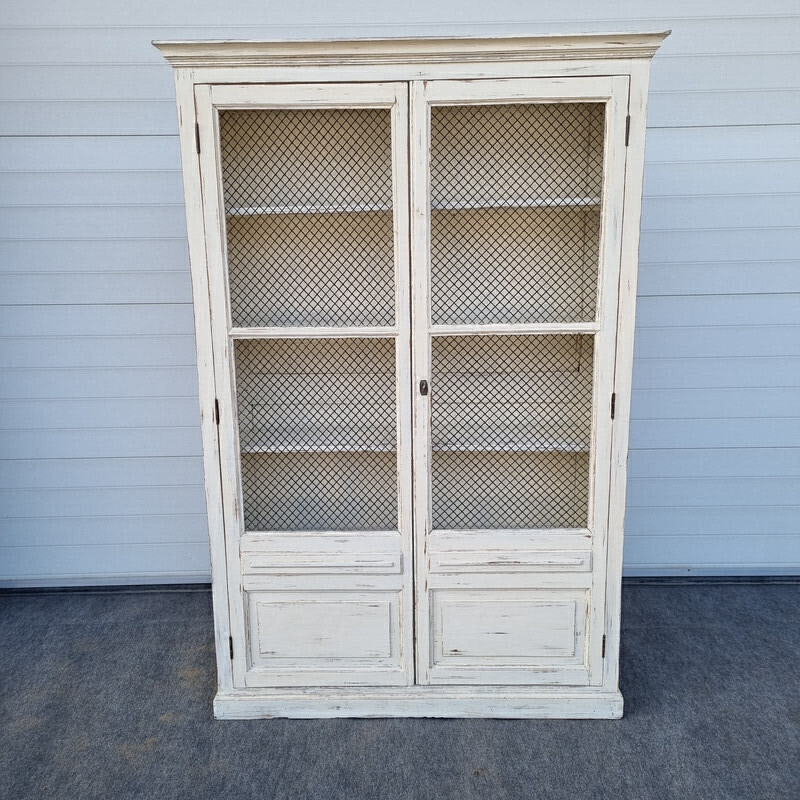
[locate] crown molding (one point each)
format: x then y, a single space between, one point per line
428 50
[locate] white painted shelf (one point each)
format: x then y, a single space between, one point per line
510 445
522 204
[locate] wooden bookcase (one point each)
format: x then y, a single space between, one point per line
414 271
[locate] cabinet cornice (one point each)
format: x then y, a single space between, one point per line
428 50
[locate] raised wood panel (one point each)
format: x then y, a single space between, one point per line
57 473
324 638
508 636
101 443
510 561
322 553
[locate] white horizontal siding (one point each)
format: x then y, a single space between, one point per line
63 473
97 351
705 341
757 462
100 470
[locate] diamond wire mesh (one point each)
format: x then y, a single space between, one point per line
515 206
317 432
308 204
511 429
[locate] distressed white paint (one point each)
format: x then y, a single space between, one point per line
337 609
82 134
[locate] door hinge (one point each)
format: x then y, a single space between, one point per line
627 131
602 652
230 643
197 136
216 411
613 403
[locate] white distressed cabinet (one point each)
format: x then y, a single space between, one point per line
414 270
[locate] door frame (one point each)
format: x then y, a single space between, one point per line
613 92
208 100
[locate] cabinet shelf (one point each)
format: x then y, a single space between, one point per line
314 447
522 204
267 211
512 445
515 446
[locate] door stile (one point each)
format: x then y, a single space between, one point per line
216 256
419 153
402 235
634 166
610 250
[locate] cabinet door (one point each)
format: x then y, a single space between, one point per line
517 197
306 211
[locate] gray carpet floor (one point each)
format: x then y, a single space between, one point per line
108 695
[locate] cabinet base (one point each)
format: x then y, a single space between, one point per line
420 701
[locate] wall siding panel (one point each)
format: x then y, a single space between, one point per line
100 468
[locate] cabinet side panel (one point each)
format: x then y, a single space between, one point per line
184 89
637 108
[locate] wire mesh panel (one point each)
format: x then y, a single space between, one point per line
308 206
515 212
510 431
317 432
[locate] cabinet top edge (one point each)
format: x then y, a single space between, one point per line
308 52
